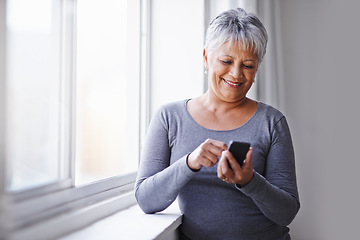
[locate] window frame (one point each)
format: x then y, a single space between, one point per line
45 211
67 95
3 216
2 94
30 215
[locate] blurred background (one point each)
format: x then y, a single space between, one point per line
310 73
321 82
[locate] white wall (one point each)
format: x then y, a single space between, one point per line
321 61
177 33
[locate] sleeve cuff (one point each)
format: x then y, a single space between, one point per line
185 167
254 186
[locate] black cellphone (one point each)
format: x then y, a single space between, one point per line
239 150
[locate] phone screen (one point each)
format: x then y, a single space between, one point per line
239 150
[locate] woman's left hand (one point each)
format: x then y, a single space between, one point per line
235 174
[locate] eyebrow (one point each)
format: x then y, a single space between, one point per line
252 60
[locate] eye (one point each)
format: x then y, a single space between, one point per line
225 62
248 66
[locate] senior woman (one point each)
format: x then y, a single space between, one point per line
186 154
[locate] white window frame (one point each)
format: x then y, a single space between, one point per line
45 212
3 216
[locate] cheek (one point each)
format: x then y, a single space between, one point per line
213 78
250 75
219 70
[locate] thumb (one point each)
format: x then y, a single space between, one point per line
248 159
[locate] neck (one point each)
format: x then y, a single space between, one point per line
214 104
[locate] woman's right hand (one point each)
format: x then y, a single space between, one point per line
206 154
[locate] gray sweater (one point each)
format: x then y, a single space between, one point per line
213 209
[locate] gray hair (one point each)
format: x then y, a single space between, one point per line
237 26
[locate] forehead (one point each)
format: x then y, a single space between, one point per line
235 49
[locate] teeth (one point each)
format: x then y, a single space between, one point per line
231 83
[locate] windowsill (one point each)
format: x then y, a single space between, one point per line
132 223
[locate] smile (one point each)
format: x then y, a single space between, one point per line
232 83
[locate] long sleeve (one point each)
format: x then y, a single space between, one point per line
212 208
276 192
158 183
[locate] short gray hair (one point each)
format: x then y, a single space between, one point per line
237 26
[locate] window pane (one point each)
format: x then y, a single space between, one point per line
33 93
107 89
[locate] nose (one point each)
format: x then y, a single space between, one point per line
236 72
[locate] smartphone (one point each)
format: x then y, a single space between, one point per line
239 150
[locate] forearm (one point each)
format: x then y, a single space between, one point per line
276 204
155 193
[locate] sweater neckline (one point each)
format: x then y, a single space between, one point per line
259 105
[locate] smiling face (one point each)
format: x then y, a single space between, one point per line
231 71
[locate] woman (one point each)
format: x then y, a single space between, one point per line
186 154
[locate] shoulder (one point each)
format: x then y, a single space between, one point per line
269 112
270 118
171 111
275 119
172 108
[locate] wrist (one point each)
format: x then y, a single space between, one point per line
192 168
247 182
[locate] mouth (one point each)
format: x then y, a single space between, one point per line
235 84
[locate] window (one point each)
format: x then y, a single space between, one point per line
106 97
71 112
107 89
34 96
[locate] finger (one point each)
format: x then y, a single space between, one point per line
247 171
209 157
212 149
215 147
248 160
220 173
223 167
209 162
201 157
207 153
226 171
219 144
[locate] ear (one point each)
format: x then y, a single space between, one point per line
205 60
